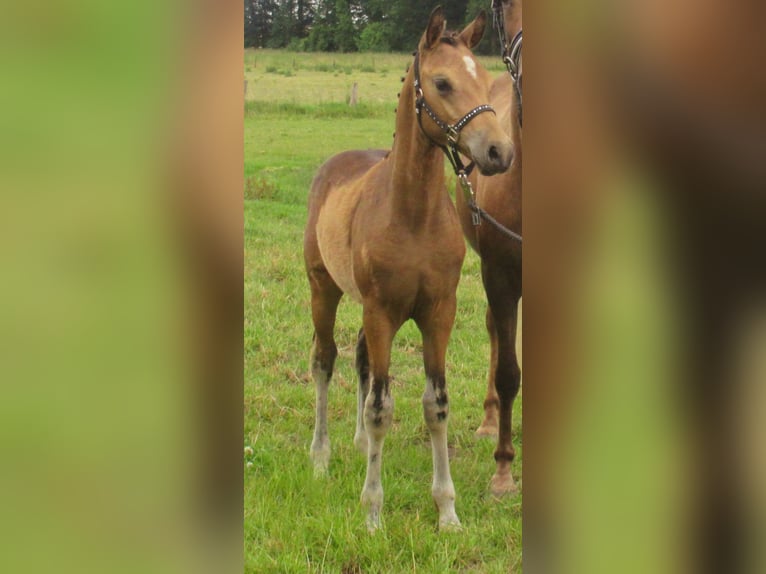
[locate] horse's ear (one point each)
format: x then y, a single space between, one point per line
436 26
473 33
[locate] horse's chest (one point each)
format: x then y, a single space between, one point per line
407 269
367 256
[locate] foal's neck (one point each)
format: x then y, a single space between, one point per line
516 134
417 179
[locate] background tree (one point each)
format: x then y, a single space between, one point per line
345 33
349 25
259 20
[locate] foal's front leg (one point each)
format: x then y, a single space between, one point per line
378 412
436 330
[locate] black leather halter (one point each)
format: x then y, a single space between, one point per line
452 131
511 51
512 58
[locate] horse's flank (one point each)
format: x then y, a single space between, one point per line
334 243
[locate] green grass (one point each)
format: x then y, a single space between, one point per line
293 522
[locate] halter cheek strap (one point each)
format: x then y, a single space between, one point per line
512 57
451 131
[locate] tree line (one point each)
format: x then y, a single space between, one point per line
354 25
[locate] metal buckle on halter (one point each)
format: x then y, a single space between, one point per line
419 98
453 135
511 62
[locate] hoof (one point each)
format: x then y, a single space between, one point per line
486 431
373 522
450 525
502 485
321 460
320 470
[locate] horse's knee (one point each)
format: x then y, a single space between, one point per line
507 380
435 403
323 359
378 409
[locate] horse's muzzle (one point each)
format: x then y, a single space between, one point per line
496 158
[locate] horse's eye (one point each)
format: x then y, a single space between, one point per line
442 85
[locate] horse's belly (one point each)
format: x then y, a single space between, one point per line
333 238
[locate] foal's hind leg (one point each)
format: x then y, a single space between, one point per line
503 293
488 427
363 371
436 326
325 296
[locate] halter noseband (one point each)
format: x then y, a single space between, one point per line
452 131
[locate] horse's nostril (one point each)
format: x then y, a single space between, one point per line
493 154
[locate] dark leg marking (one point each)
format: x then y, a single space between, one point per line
379 388
362 358
440 386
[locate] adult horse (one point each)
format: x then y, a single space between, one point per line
497 200
382 229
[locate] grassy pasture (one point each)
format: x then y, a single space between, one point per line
296 117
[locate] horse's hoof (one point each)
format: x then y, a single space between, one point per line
450 525
320 471
502 485
321 460
486 431
373 522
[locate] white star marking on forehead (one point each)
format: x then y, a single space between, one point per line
470 65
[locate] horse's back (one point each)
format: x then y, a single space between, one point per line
335 175
342 168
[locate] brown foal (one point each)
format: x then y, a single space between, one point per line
500 196
383 230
